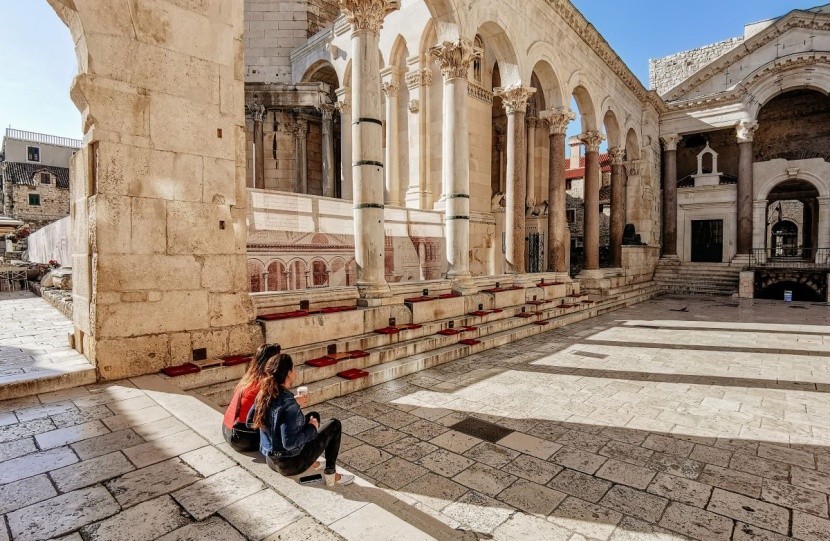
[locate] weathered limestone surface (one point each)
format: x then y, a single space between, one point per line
158 189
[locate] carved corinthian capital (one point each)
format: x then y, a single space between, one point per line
670 141
746 131
617 155
454 57
391 88
327 110
592 140
368 14
514 97
558 119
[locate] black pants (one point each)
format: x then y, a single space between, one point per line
327 440
242 441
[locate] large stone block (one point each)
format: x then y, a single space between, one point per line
220 181
230 309
148 221
225 273
195 228
126 357
174 311
110 224
245 338
148 272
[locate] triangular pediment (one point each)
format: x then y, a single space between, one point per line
795 34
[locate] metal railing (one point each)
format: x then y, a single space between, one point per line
34 137
790 257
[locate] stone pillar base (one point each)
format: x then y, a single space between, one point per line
600 280
746 285
740 260
374 291
669 260
463 284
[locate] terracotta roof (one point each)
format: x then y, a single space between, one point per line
579 172
24 173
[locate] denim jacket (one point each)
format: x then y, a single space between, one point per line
286 431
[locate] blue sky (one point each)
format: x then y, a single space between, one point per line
38 58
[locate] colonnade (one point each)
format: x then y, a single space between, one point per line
376 184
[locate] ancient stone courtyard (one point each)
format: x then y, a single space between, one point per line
677 418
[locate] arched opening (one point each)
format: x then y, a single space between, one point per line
255 278
582 104
276 276
320 275
297 275
792 221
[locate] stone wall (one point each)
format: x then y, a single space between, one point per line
792 126
54 204
51 242
272 30
666 73
321 13
724 142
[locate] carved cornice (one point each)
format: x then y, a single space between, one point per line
420 77
514 98
368 14
592 140
617 155
670 141
795 19
780 65
558 119
746 130
455 57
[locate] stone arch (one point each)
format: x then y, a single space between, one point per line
587 110
819 184
124 98
338 272
612 129
276 276
319 273
296 268
551 88
399 53
770 80
255 271
497 39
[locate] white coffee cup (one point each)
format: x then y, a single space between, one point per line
302 391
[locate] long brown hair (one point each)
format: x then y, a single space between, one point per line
276 370
256 368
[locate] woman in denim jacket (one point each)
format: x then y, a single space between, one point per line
290 441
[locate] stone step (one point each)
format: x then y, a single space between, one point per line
396 360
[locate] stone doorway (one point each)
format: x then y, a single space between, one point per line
707 241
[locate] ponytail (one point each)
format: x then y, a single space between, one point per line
273 382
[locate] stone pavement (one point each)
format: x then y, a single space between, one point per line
34 347
673 419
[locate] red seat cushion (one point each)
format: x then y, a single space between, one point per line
283 315
409 327
468 328
422 298
536 303
448 295
541 323
236 359
387 330
449 332
353 373
358 354
565 305
525 314
180 370
469 342
479 313
496 311
320 362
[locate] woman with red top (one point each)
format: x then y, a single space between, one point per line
234 427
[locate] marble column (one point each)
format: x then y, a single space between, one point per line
328 149
455 58
299 130
259 147
530 196
344 107
366 19
515 100
617 205
821 226
746 131
418 81
593 178
393 191
557 201
670 195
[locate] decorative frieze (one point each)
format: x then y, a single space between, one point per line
455 57
514 98
476 91
420 77
368 14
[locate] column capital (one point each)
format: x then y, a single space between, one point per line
532 121
617 155
328 111
367 14
344 100
670 141
633 167
298 128
557 119
390 88
455 57
514 98
592 140
256 111
746 130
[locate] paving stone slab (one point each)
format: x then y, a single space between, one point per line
749 510
380 436
373 522
445 462
434 491
626 474
812 479
632 529
787 455
144 522
164 448
482 478
213 493
71 434
207 460
635 503
531 497
530 445
521 526
151 482
731 480
455 441
696 523
364 457
762 467
25 492
794 497
478 512
586 518
305 529
212 529
61 514
105 444
491 454
396 472
533 469
810 528
36 463
409 448
578 459
680 489
747 532
261 514
675 465
24 429
90 472
16 448
580 484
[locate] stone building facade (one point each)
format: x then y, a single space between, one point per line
34 175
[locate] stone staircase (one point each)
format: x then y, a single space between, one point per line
511 315
718 279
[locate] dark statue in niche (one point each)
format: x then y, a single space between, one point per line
630 237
